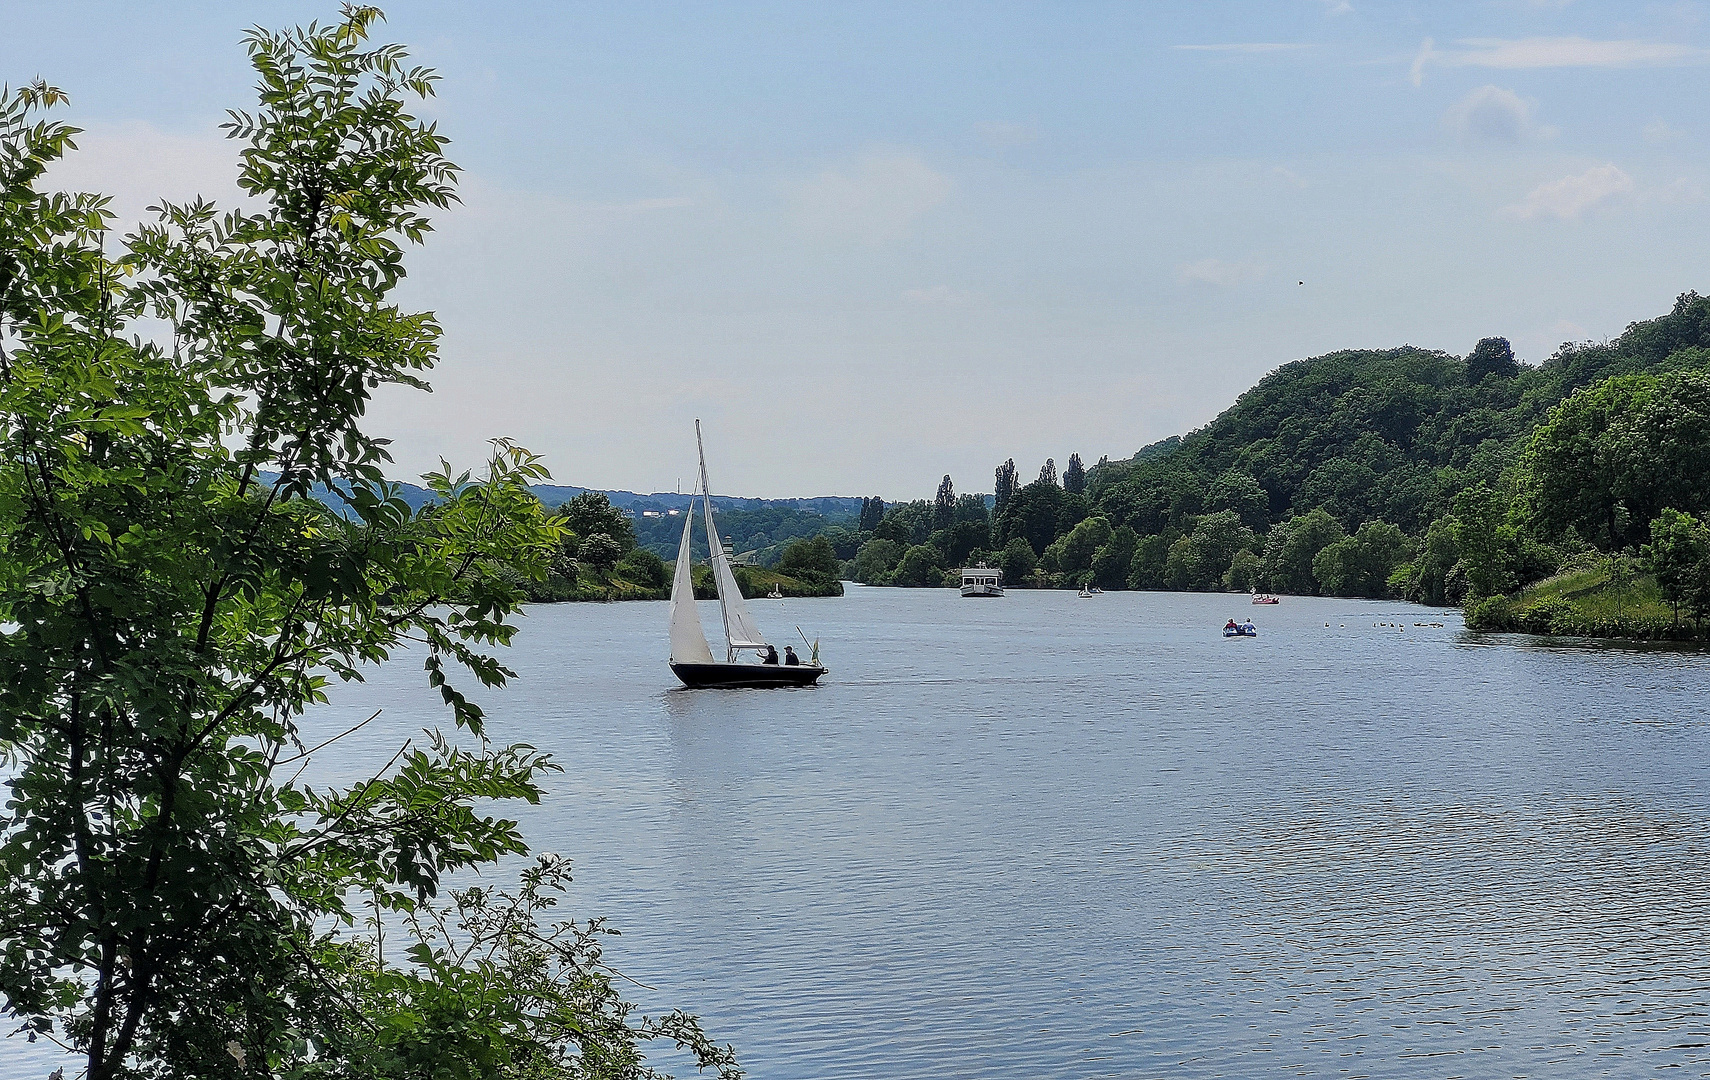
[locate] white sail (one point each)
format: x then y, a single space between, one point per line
739 628
688 640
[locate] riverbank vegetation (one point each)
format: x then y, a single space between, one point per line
174 899
1396 473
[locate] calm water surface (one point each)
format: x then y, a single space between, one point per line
1045 836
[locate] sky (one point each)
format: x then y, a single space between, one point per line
871 244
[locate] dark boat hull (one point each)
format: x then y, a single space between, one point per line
751 676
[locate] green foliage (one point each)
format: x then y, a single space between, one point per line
1487 544
1361 564
1113 561
875 561
173 900
1679 556
944 506
1238 491
1243 573
1199 560
812 558
592 514
1083 542
1492 356
921 567
1609 459
1031 514
1286 565
1075 476
1017 562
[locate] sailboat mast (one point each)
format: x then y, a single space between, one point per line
715 547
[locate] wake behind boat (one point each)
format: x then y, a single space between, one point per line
691 657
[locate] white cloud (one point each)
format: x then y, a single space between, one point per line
1490 114
1220 273
1571 196
139 165
1555 52
1248 47
876 200
1337 7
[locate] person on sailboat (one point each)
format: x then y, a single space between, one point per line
771 656
790 657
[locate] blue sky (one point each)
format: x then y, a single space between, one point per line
870 244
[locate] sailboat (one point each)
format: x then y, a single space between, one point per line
691 657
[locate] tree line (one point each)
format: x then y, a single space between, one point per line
1404 473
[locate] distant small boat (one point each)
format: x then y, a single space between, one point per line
1086 592
691 657
774 594
982 580
1265 598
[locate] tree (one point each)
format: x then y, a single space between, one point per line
872 512
1361 564
1005 485
1677 554
1485 540
1081 543
1199 560
1018 561
591 513
1075 476
170 895
1112 562
875 561
1286 565
1031 513
1048 473
811 558
599 551
1238 491
944 507
1612 456
1492 356
1243 571
922 566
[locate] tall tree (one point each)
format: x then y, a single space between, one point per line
1048 473
176 600
872 512
1075 476
1492 356
1007 485
944 507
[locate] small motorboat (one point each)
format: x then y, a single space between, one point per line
1241 630
774 594
1085 592
1265 598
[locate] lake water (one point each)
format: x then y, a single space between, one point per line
1046 836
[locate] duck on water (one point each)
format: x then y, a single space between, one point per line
691 657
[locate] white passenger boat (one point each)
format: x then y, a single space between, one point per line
982 580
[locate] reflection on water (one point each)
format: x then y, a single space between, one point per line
1048 836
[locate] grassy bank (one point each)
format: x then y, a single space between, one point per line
1588 601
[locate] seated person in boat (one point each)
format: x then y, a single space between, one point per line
790 657
1230 625
771 656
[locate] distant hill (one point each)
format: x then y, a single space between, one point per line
659 501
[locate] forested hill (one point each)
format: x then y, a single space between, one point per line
557 494
1390 434
1370 473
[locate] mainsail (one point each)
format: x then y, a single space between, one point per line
688 640
739 628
